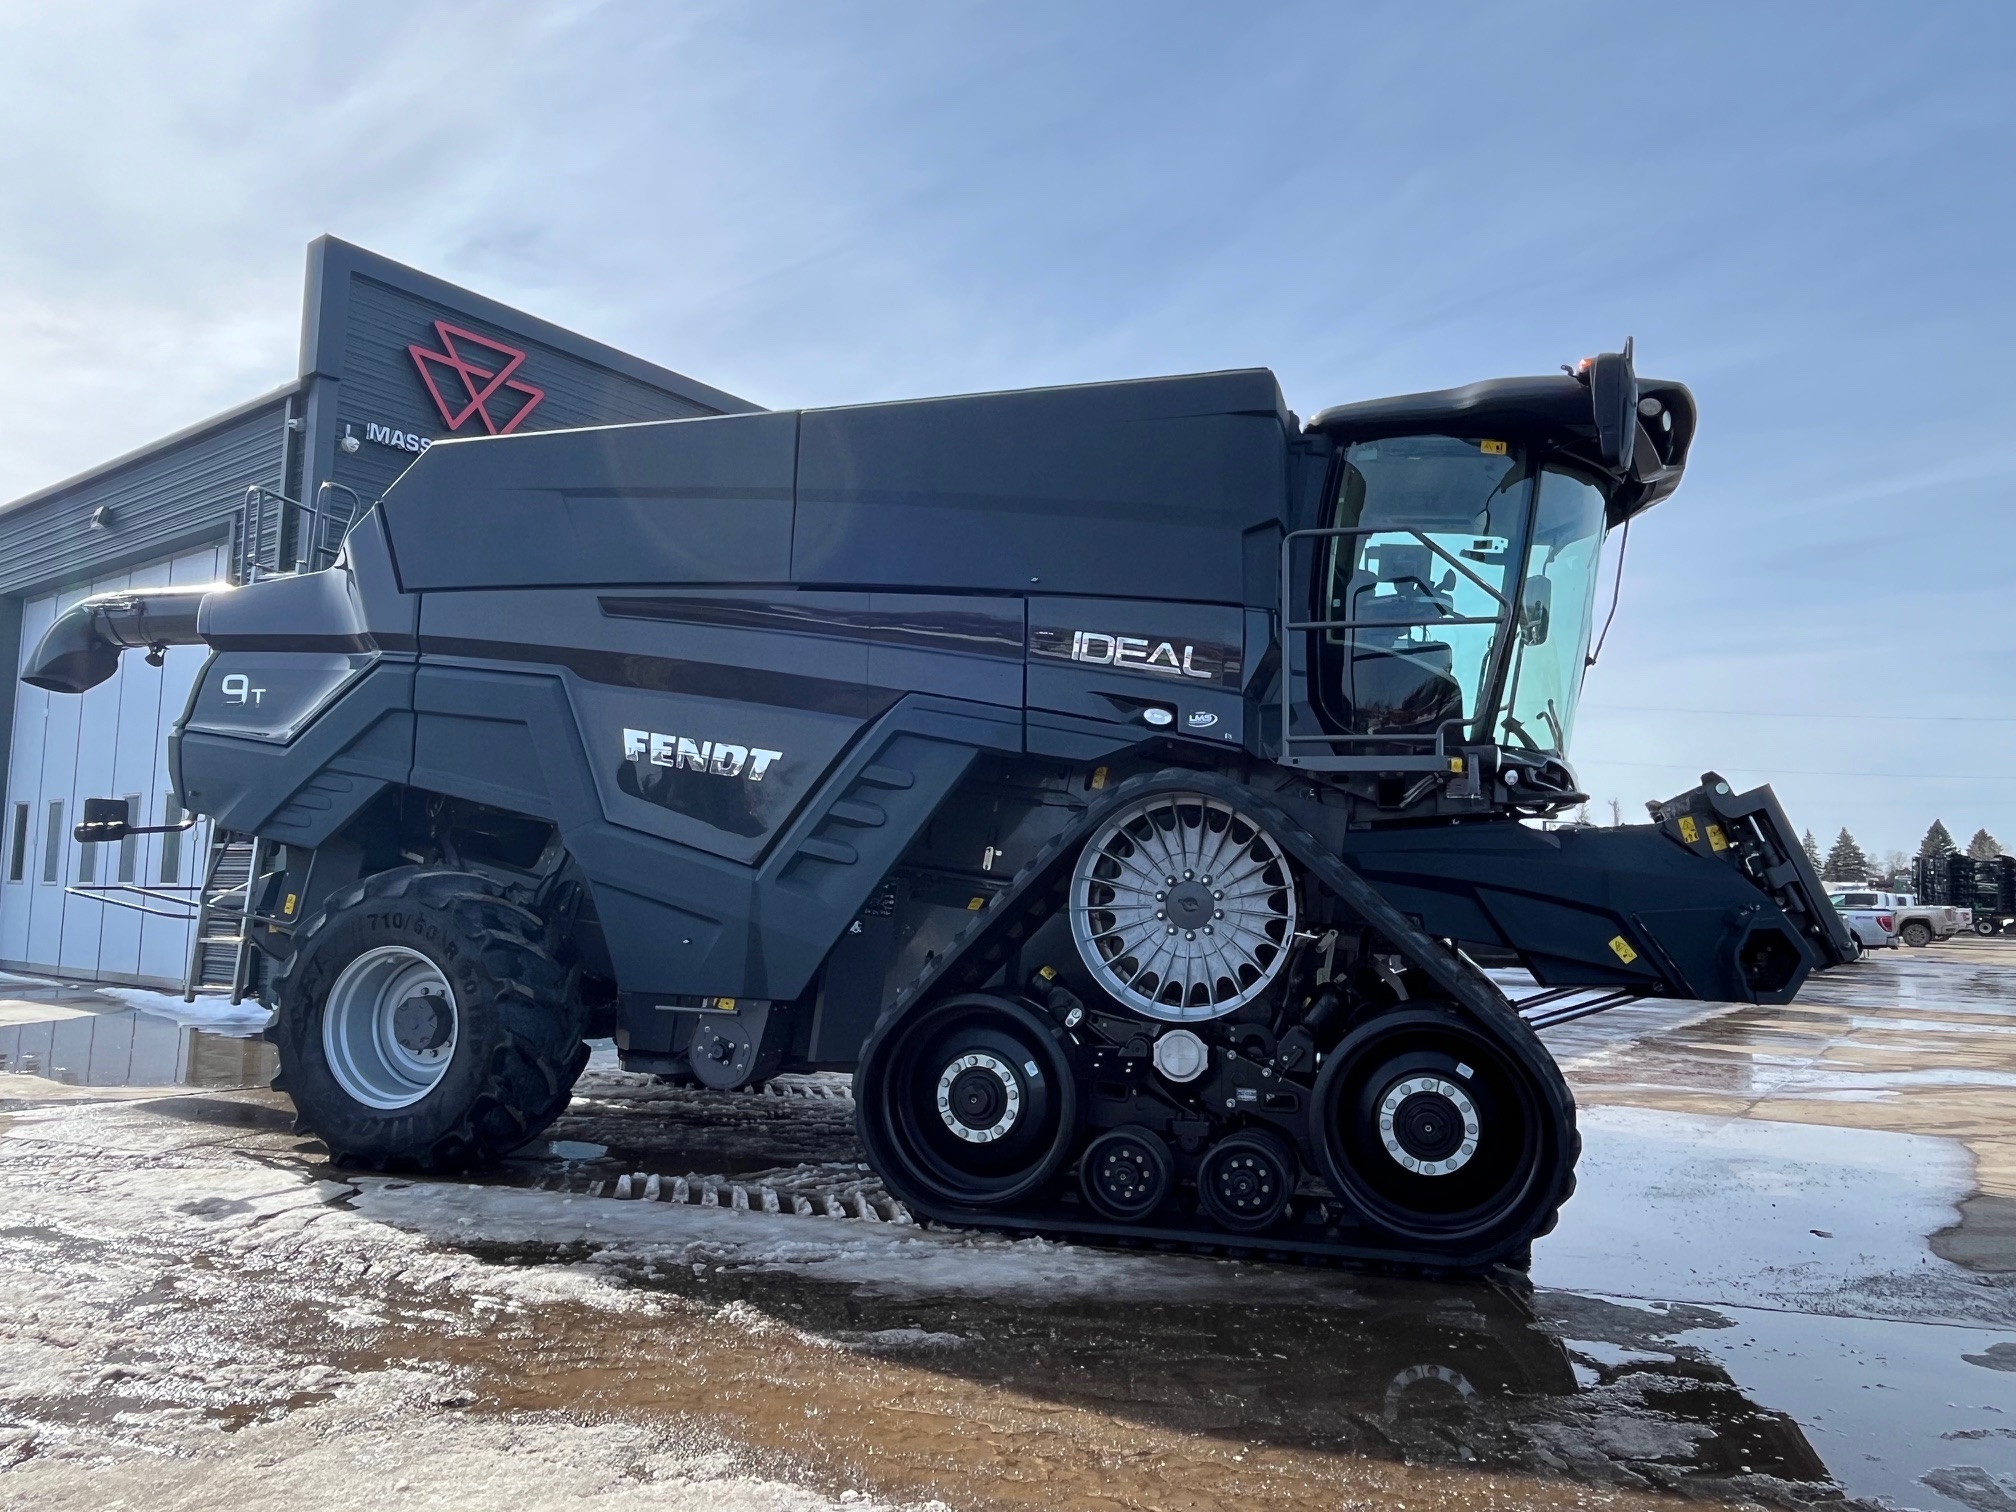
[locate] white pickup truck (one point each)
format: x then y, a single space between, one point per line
1868 918
1902 916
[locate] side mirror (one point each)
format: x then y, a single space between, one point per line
1613 395
1536 610
105 820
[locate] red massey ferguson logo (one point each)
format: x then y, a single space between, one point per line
484 369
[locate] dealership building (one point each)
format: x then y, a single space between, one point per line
391 361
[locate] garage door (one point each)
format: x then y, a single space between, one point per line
109 743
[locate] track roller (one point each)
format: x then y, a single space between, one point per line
1245 1180
1126 1174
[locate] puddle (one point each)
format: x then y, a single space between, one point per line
1386 1392
1919 1414
127 1048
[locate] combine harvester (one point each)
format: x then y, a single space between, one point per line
1121 780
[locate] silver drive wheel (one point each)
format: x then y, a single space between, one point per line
389 1027
1182 907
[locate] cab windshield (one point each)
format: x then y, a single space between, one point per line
1557 608
1456 596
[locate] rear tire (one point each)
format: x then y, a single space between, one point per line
422 1023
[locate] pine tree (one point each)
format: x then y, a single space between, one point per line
1937 842
1812 848
1984 846
1845 862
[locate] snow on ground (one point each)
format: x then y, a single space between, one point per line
880 1259
135 1379
210 1010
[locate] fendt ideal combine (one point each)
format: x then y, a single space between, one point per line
1124 781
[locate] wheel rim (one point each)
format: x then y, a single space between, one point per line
390 1025
1245 1181
1182 907
1126 1174
974 1101
1429 1127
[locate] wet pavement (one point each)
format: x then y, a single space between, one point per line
1788 1278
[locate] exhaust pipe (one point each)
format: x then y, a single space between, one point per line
81 650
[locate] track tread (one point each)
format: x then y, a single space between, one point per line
986 942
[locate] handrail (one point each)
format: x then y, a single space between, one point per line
266 508
1431 747
101 892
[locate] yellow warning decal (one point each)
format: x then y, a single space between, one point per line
1716 838
1689 830
1098 778
1456 765
1492 448
1622 948
288 907
976 905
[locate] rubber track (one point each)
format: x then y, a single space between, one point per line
1042 887
532 1072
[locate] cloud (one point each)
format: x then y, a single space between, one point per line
1797 210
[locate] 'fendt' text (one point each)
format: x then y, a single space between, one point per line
718 758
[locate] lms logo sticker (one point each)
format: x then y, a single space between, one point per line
1201 719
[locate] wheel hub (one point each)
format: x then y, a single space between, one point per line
422 1023
1124 1175
1245 1183
1190 905
979 1098
1429 1125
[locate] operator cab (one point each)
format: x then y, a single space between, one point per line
1443 598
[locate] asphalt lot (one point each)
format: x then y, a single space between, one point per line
1788 1277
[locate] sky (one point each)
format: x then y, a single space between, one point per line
1803 211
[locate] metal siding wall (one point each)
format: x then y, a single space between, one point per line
381 384
105 743
170 497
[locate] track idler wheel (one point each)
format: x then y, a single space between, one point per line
969 1102
1126 1174
1436 1134
1245 1180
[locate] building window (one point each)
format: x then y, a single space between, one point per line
87 861
171 843
17 845
129 848
52 845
